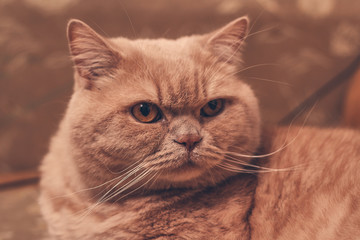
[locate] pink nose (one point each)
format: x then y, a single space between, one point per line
188 140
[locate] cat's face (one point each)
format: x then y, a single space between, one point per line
165 112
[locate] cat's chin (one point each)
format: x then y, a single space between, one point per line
184 173
190 176
188 167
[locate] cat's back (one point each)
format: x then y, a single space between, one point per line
312 188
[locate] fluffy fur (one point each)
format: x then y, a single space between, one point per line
109 176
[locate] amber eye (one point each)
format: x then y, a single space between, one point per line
146 112
212 108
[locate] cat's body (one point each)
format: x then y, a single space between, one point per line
156 144
318 200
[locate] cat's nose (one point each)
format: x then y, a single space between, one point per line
188 140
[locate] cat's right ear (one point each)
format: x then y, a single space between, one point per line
226 43
93 55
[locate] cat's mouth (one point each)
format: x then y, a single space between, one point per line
185 168
181 174
187 165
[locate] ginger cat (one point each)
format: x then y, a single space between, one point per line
162 140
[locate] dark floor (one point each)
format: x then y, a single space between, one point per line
294 48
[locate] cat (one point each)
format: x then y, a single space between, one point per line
162 140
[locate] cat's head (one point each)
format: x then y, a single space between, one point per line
165 113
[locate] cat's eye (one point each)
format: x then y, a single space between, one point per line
146 112
212 108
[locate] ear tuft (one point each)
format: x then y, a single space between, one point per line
226 43
92 54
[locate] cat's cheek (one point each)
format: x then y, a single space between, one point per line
233 132
223 128
143 138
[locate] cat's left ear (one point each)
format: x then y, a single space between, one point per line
226 43
93 55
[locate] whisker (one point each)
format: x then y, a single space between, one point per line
127 15
125 186
256 66
93 188
294 138
242 170
238 161
129 174
255 21
249 34
228 59
231 169
230 157
260 31
212 76
156 174
104 199
215 153
272 81
124 170
210 171
154 164
285 144
238 48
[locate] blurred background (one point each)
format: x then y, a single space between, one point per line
293 50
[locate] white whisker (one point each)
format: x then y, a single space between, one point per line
271 81
231 157
125 169
129 174
123 196
255 66
126 186
255 21
260 31
242 163
96 187
122 189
